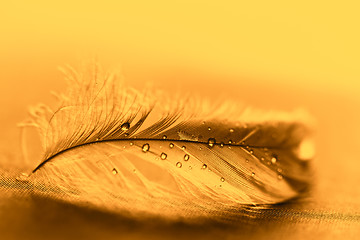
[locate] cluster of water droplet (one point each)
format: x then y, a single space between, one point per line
211 142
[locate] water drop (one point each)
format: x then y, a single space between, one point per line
183 147
131 143
171 145
186 157
262 159
114 171
200 148
273 160
124 147
163 156
280 177
97 139
209 128
204 166
146 147
222 179
230 141
190 167
253 174
221 144
231 130
126 134
279 170
178 164
164 137
211 142
134 170
251 151
125 126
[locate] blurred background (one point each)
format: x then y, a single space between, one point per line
267 54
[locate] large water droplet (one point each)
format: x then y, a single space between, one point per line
179 164
114 171
222 179
163 156
186 157
209 128
146 147
211 142
273 160
204 166
125 126
164 137
230 141
171 145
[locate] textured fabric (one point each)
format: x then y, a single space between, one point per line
330 211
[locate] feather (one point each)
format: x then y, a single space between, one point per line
117 149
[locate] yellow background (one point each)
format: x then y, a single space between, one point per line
268 54
307 45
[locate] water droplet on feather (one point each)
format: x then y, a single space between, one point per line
114 171
125 126
211 142
146 147
163 156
